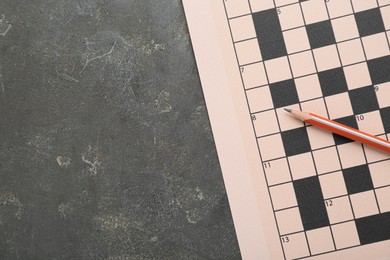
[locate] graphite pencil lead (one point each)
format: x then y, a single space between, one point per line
288 110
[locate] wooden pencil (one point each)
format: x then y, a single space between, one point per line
341 129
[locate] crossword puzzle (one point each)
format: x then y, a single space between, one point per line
330 57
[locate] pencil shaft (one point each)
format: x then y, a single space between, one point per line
343 130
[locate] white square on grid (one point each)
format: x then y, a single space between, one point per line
339 210
278 172
290 16
319 138
254 75
333 185
283 196
302 166
326 58
379 173
296 247
339 105
357 76
242 28
265 123
383 195
274 141
237 7
320 240
345 235
376 46
383 94
372 123
302 64
316 106
248 51
364 204
345 28
374 154
287 122
278 69
351 154
339 8
383 2
259 99
296 40
327 160
362 5
308 87
289 221
263 5
351 52
385 11
314 11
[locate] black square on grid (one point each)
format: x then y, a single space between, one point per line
369 22
379 69
284 93
269 34
273 50
385 115
333 82
363 100
296 141
267 25
311 203
320 34
348 121
358 179
373 228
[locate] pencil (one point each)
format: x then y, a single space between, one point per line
341 129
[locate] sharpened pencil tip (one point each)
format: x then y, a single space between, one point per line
288 110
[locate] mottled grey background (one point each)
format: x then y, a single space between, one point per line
106 150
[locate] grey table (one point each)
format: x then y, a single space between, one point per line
106 150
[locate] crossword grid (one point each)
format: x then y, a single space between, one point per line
331 58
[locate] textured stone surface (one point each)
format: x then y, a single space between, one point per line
106 150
